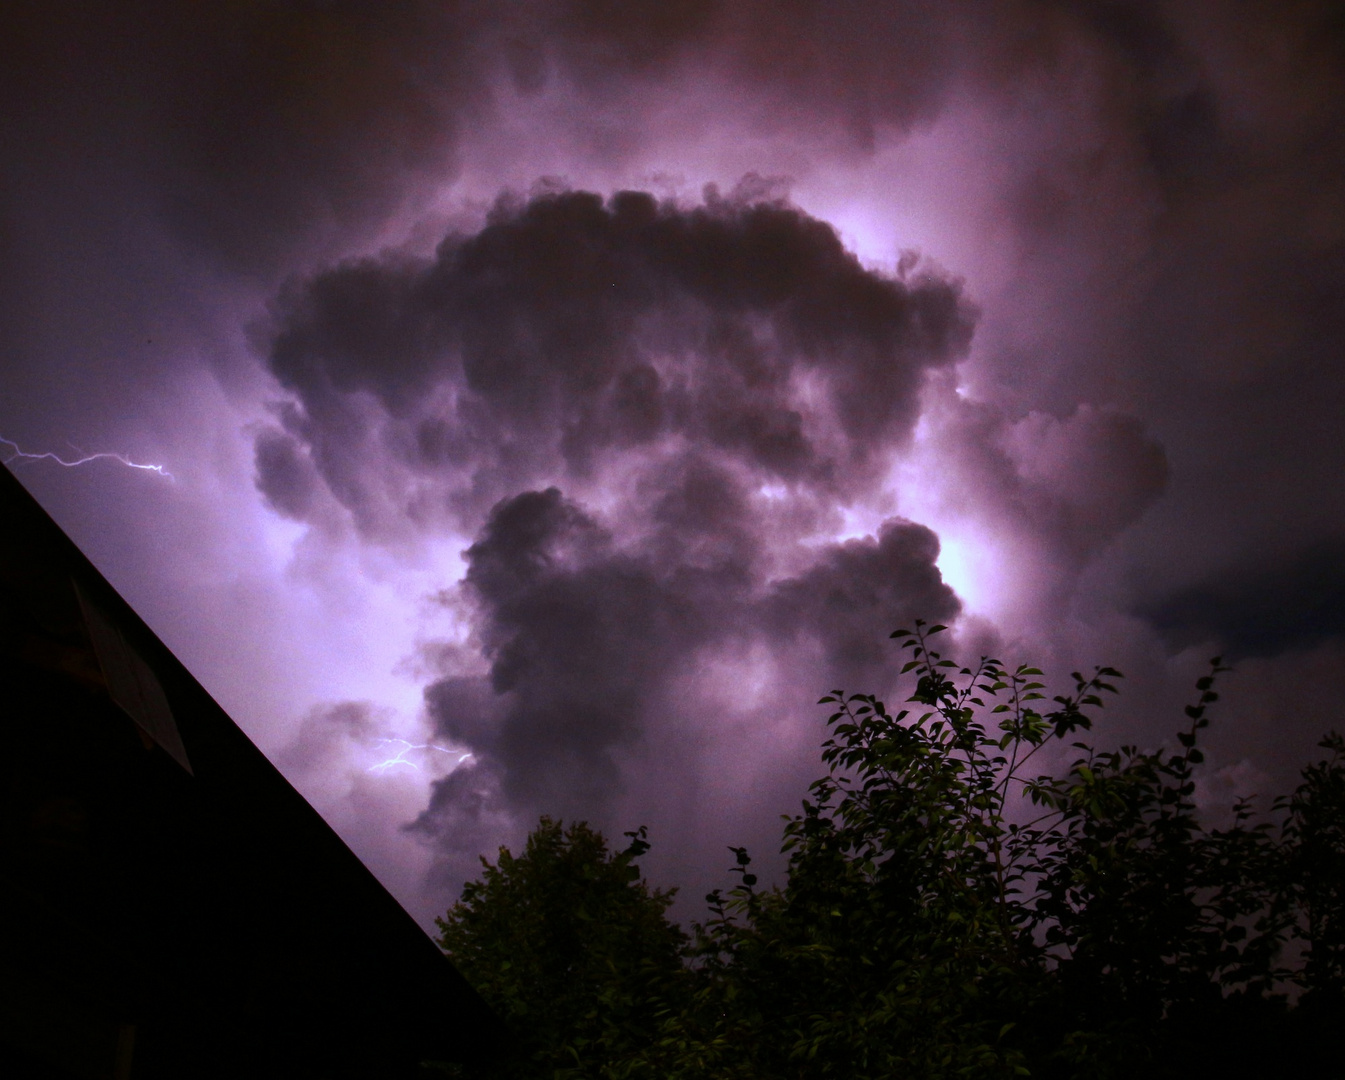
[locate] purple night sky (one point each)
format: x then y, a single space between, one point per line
557 398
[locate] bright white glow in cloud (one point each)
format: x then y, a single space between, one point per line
962 567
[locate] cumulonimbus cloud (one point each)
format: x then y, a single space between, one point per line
650 416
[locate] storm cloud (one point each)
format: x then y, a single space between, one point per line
702 388
603 324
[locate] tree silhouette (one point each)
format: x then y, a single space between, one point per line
569 946
949 911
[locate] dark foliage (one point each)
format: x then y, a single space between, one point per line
948 913
569 946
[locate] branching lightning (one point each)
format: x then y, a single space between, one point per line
18 454
400 757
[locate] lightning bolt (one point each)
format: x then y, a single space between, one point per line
18 454
406 747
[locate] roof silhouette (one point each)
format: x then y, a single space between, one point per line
169 905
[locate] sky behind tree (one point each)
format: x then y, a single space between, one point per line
559 397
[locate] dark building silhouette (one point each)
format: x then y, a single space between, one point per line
169 905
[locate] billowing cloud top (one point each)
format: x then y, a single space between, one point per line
570 334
